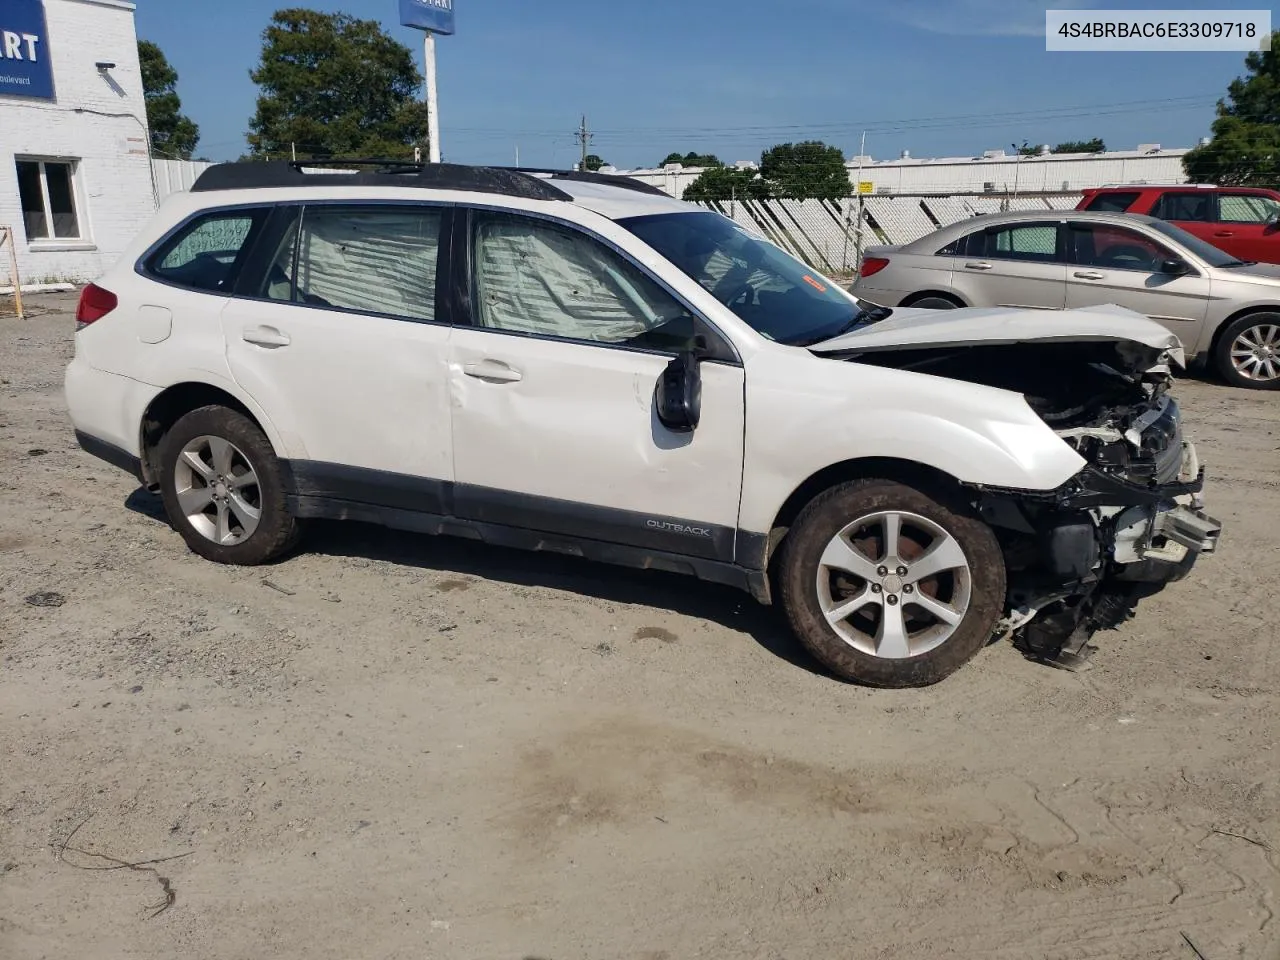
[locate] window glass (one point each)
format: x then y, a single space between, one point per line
536 277
369 260
953 249
1212 255
767 288
1194 207
204 255
1112 202
31 194
1116 248
1037 242
1246 208
62 200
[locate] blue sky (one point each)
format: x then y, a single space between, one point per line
733 77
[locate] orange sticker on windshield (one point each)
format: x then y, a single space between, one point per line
814 283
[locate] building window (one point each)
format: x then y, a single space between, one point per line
48 192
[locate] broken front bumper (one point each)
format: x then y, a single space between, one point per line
1159 540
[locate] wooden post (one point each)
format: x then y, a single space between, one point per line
6 236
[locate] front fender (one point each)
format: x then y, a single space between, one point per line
805 414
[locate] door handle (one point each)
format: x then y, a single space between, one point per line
1224 233
977 266
265 337
494 371
1089 275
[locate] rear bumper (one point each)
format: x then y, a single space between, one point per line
110 453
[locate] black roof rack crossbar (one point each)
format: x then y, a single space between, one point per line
371 162
622 181
249 175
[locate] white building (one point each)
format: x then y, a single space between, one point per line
76 182
994 171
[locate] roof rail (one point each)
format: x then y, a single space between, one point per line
249 175
590 176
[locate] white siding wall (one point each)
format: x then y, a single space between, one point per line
113 182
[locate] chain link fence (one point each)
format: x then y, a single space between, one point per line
830 235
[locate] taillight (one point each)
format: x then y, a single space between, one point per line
95 303
872 265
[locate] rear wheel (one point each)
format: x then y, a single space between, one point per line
933 301
1248 352
223 488
888 586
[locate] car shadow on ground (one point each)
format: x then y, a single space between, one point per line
690 597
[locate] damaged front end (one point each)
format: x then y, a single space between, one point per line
1081 557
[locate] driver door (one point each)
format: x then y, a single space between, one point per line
552 396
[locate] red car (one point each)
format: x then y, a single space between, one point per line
1243 221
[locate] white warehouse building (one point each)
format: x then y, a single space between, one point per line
76 182
993 171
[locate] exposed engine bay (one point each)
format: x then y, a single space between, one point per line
1079 558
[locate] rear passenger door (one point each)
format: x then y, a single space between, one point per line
1195 211
1013 265
337 335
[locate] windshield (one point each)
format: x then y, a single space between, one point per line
1205 251
772 291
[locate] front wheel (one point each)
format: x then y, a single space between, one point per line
889 587
1248 352
223 488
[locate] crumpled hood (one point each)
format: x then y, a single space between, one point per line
911 327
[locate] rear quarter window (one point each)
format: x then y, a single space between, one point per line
1112 202
207 253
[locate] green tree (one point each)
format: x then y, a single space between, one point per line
335 87
727 183
173 135
1081 146
1245 147
593 162
804 171
692 159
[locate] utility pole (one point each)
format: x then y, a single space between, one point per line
857 253
583 137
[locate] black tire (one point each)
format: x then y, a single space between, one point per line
824 517
933 301
1226 340
277 531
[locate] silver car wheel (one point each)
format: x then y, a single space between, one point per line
218 490
1255 352
894 584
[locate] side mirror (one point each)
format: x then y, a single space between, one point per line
1272 221
1175 266
678 395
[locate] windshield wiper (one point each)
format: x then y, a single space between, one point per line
1239 263
860 319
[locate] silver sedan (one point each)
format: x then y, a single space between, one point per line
1225 311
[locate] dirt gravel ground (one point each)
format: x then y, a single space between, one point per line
392 746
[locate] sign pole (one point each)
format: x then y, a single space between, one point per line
433 104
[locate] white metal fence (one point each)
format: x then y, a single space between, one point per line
172 176
830 235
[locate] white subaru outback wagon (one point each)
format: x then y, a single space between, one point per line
579 363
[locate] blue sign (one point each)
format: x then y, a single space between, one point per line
433 15
25 68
